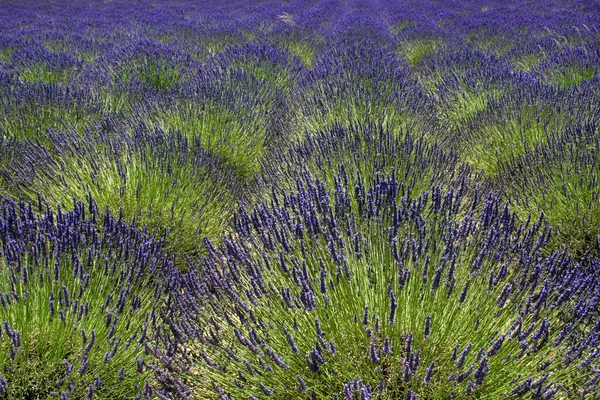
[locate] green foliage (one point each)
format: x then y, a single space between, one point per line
492 43
561 180
157 73
414 50
341 281
5 54
303 49
82 311
396 29
459 107
529 62
345 100
363 150
570 76
40 72
18 121
492 144
162 180
346 111
240 140
270 73
213 45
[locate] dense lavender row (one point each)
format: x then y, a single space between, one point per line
362 151
561 176
316 199
165 181
82 296
365 292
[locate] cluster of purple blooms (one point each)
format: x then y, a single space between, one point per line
296 260
59 265
416 186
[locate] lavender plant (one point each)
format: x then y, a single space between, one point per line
5 54
527 116
38 64
295 41
81 297
414 48
27 111
361 292
161 180
155 65
359 83
267 63
241 143
464 82
572 65
366 261
229 112
362 150
560 180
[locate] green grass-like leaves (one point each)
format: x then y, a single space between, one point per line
414 50
561 180
351 270
570 76
491 145
240 140
162 180
73 305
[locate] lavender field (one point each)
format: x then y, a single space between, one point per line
332 199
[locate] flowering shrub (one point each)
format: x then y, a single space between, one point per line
81 303
361 291
358 83
560 180
162 180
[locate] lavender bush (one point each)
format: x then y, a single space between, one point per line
361 292
162 180
362 150
81 299
560 179
359 83
525 117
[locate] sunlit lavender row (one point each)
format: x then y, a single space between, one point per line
344 200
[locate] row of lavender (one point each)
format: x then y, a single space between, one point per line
494 118
383 169
367 284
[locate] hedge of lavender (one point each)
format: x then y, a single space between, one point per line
299 200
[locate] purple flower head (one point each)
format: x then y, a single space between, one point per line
373 353
427 329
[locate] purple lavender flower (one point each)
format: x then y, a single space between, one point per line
373 353
429 374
